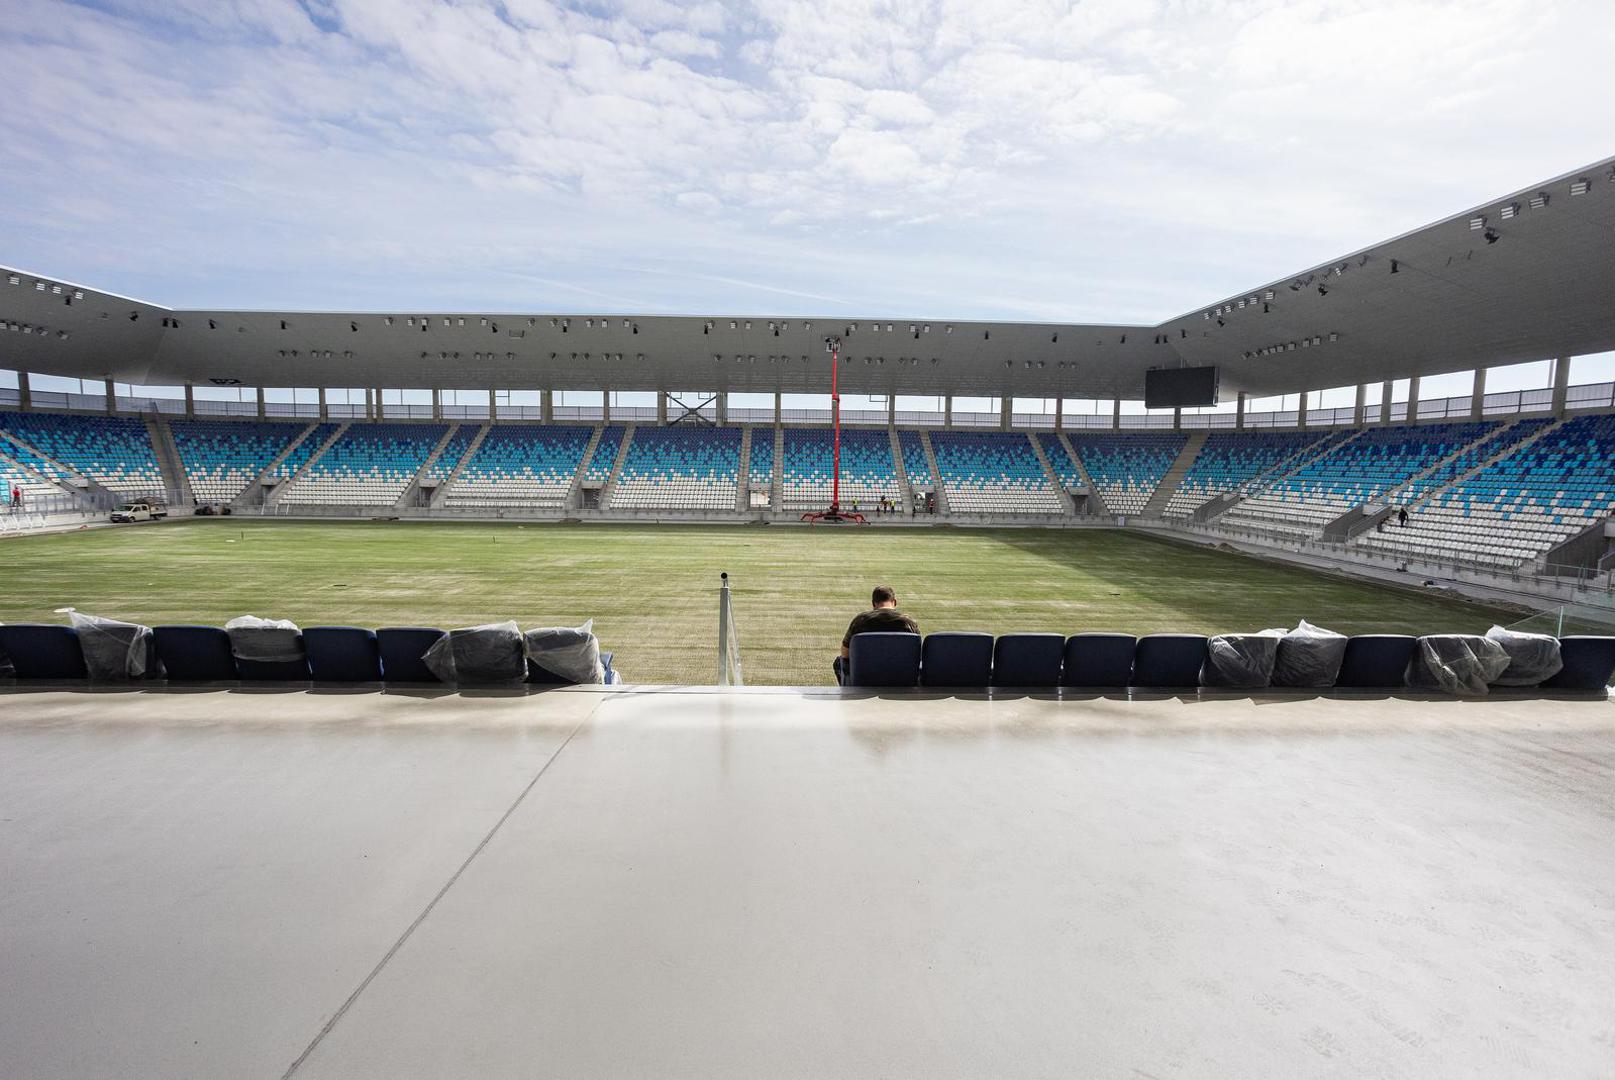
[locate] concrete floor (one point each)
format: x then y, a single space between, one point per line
765 884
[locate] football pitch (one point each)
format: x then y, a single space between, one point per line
652 590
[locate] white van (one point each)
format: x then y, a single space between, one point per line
139 510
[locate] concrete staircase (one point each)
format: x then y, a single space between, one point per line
904 488
253 493
743 474
1054 477
616 466
1499 454
1277 474
274 497
414 485
574 490
1096 501
442 491
776 489
1164 490
168 460
930 459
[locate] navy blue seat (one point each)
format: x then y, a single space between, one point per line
43 651
1027 659
1376 661
883 659
537 676
342 654
1169 660
274 670
195 653
1098 660
1589 663
957 659
401 650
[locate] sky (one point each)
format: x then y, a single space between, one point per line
1098 161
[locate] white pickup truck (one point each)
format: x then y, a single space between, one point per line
139 510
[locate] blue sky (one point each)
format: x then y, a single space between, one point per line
1109 160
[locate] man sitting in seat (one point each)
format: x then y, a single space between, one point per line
882 617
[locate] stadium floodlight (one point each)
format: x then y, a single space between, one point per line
1539 200
1509 211
1477 223
1492 236
1581 187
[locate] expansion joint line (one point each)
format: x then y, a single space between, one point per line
337 1016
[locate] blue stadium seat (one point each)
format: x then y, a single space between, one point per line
1098 660
1589 663
957 659
1027 659
342 654
884 659
537 676
1376 661
1168 660
401 650
273 670
195 653
43 651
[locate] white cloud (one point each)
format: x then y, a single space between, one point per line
1106 159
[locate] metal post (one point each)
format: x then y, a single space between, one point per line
729 672
835 420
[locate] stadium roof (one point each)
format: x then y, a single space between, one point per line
1523 277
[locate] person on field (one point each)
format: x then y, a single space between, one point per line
882 616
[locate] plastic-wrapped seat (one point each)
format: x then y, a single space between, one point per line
492 654
1169 660
1376 661
402 649
115 651
346 654
195 653
1310 657
957 659
1533 658
43 651
268 650
1098 660
1027 660
1240 661
1456 663
1589 663
877 658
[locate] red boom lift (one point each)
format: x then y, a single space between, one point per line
835 515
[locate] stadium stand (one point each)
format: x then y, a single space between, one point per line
1517 507
13 475
760 466
915 463
113 451
443 466
1126 469
868 473
300 454
687 468
369 465
604 458
1231 459
1374 463
222 457
521 465
993 472
1065 469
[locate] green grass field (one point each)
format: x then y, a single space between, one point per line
652 590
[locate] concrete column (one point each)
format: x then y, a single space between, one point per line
262 412
1301 410
190 401
493 409
25 396
1386 388
1059 413
661 406
723 407
1413 399
1116 413
1561 383
325 407
546 406
1005 416
947 410
1177 419
437 404
1239 411
891 410
1357 406
1477 407
112 397
778 397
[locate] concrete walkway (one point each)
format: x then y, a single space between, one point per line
770 884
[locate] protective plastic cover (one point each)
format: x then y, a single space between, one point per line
1456 663
7 668
1309 656
275 641
113 649
1243 661
1532 658
567 652
491 653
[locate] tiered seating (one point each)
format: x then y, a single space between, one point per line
688 468
114 451
1059 460
1230 459
221 457
299 455
1126 469
993 472
1375 463
604 458
13 475
521 465
914 460
443 467
369 465
1506 436
868 473
760 467
1517 507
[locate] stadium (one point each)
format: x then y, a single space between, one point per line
1258 721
